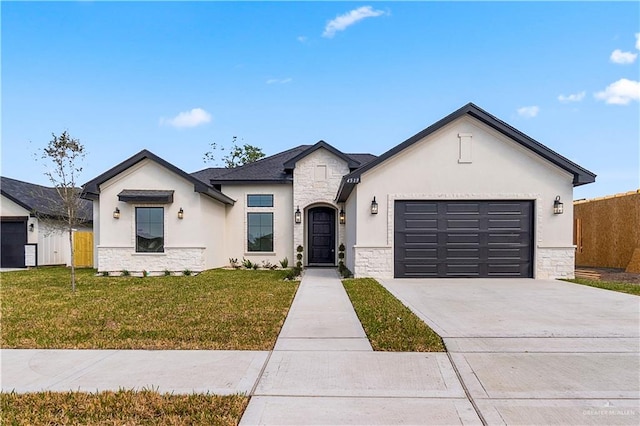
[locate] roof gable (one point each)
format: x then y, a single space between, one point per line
269 169
91 189
352 163
581 175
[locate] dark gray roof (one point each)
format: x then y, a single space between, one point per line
291 163
581 175
270 169
41 200
91 189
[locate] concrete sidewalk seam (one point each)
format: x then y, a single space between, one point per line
466 391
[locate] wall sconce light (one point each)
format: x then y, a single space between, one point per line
180 213
342 217
558 207
116 213
298 215
374 206
31 227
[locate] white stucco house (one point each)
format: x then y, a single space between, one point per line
469 196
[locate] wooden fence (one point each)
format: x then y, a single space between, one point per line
83 249
607 230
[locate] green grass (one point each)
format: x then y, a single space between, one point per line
120 408
217 309
390 326
610 285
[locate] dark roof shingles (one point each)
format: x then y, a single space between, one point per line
40 199
269 169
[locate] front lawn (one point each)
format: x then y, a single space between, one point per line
121 408
390 326
217 309
621 287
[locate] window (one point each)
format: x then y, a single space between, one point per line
150 229
260 200
260 231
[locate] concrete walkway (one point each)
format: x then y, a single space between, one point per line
323 371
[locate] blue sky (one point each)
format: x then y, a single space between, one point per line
173 77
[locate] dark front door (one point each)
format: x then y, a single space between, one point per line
13 236
322 235
463 239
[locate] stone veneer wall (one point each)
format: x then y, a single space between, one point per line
555 262
309 191
112 259
376 262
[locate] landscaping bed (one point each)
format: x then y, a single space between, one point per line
217 309
389 325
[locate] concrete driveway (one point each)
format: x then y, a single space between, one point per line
536 351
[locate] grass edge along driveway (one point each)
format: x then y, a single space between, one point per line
215 310
620 287
389 325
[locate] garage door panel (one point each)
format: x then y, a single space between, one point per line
421 223
420 253
420 207
466 224
430 238
467 239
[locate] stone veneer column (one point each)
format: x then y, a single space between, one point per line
316 179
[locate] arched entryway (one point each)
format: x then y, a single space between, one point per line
321 236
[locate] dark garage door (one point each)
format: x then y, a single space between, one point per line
13 237
463 239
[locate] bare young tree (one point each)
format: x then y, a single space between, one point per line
63 156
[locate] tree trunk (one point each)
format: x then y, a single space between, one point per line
73 266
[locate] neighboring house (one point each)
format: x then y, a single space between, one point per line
469 196
28 214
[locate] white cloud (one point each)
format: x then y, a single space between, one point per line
193 118
342 22
638 41
279 80
302 39
620 57
621 92
575 97
528 111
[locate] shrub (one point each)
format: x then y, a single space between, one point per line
299 249
341 255
299 264
293 273
233 262
105 273
145 273
284 263
186 272
247 263
125 273
255 266
299 256
167 273
341 247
